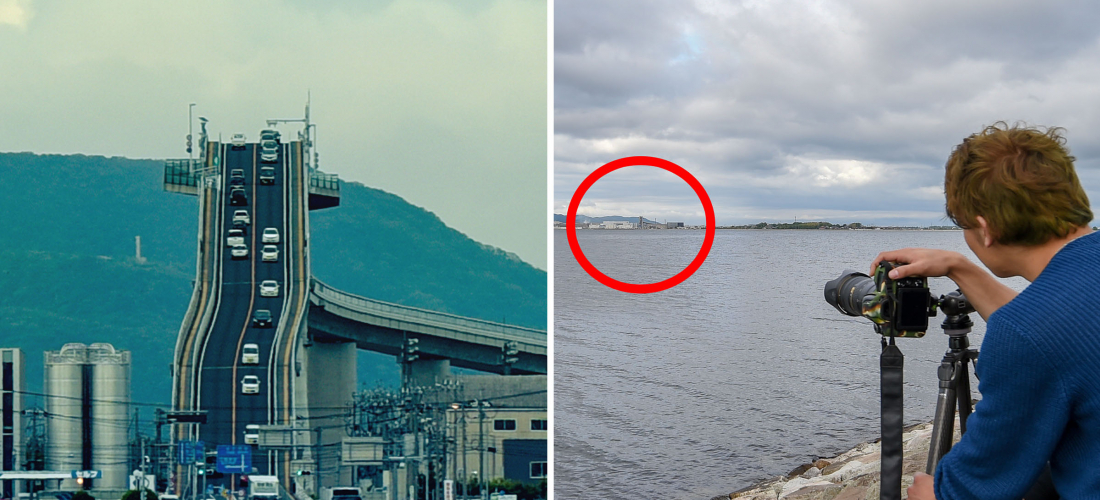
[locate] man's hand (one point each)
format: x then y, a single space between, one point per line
922 488
919 262
983 291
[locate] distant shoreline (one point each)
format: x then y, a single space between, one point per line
627 223
738 228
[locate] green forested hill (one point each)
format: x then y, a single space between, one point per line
68 274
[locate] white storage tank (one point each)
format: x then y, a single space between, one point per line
88 403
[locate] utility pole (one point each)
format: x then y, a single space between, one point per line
144 459
481 450
190 133
465 469
317 463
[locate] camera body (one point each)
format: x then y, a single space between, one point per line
901 307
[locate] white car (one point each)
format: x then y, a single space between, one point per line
271 253
269 152
269 288
250 384
239 252
271 235
250 354
236 237
242 215
252 434
238 141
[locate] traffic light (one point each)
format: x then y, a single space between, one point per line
303 472
200 468
412 350
511 351
188 143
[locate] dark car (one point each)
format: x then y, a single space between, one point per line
237 197
242 225
236 181
261 318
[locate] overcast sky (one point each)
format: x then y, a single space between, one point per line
443 103
838 110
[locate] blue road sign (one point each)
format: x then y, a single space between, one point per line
200 452
186 452
234 459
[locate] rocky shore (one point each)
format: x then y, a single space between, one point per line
852 475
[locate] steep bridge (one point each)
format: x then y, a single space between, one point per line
305 369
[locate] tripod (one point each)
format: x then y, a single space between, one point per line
954 387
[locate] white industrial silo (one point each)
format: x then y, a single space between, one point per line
87 407
110 414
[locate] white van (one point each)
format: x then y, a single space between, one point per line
252 434
250 354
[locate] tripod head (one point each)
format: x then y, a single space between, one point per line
956 323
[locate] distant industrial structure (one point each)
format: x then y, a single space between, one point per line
88 404
446 437
12 387
642 223
447 440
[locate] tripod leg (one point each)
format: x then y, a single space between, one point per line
963 385
943 426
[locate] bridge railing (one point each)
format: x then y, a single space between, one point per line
397 311
322 180
179 177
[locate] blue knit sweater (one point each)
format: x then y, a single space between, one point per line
1039 373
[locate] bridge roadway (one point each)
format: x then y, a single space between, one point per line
208 368
221 368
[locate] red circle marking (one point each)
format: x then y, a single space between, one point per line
630 161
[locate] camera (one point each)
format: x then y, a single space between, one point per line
899 308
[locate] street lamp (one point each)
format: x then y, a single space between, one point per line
190 133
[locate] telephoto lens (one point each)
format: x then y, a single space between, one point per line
846 293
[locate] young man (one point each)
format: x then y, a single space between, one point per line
1015 193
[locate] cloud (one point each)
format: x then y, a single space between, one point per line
788 103
442 103
16 13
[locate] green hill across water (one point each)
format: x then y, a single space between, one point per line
68 272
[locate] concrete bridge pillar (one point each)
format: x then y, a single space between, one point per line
426 372
330 376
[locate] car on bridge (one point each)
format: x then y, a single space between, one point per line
241 225
239 252
269 152
252 434
236 173
267 175
238 141
250 354
261 318
237 196
269 288
270 253
237 181
242 215
270 135
236 237
250 384
271 235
